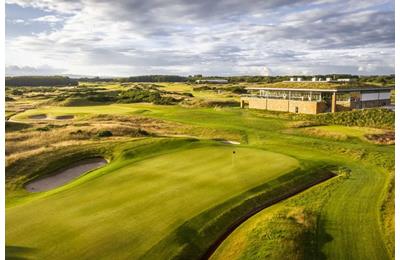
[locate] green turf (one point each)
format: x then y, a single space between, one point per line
346 207
276 231
352 131
134 205
349 224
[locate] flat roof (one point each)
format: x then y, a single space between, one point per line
320 86
324 90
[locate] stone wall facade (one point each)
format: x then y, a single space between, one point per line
294 106
277 104
255 103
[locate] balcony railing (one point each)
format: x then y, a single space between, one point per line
283 97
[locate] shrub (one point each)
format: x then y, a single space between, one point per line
43 129
16 92
101 98
104 133
140 95
237 89
200 88
80 134
15 126
377 118
77 132
140 132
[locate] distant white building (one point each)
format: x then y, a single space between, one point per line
315 79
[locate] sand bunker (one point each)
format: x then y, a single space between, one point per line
64 176
39 116
65 117
230 142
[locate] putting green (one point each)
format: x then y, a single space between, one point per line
125 212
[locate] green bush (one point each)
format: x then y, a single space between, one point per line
17 92
201 88
43 129
237 89
15 126
104 133
377 118
101 98
140 95
139 132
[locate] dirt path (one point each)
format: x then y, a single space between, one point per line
64 176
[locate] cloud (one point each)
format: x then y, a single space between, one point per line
16 21
27 70
61 6
48 19
210 37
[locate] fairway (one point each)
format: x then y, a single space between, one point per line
169 196
263 234
126 208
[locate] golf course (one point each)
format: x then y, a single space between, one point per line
177 178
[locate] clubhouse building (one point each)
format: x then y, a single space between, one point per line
313 97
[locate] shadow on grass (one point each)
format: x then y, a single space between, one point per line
322 238
18 252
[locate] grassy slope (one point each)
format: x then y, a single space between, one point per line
337 132
387 213
353 131
176 189
285 230
324 212
209 95
265 132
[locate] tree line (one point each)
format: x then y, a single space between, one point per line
33 81
66 81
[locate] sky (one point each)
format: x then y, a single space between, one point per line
209 37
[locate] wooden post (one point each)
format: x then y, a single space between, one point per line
333 102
